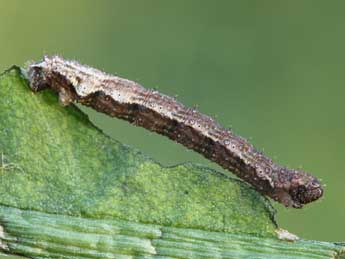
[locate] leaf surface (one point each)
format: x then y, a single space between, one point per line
69 191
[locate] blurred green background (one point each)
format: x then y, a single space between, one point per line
272 70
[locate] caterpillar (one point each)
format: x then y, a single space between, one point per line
128 100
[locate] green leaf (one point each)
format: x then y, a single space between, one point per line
69 191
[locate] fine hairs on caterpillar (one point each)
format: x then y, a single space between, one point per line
128 100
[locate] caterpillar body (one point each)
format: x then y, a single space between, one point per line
128 100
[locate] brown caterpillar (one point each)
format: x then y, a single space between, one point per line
159 113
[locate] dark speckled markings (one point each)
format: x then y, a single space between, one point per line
159 113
